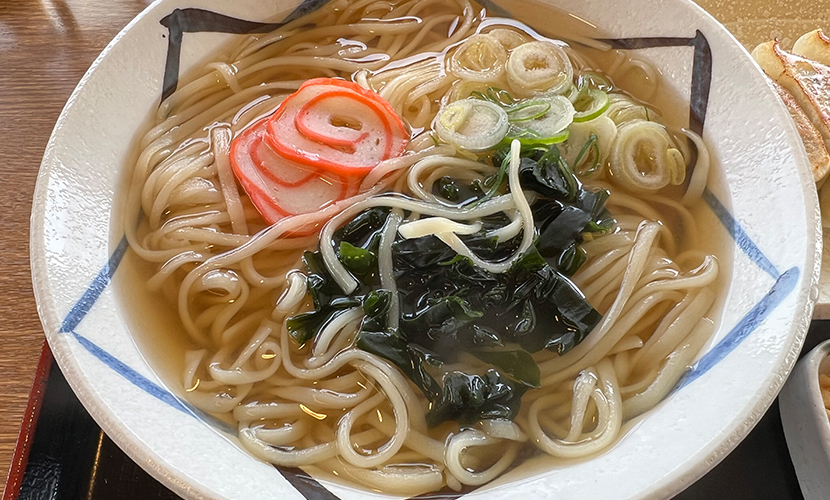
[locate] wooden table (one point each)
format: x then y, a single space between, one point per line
45 48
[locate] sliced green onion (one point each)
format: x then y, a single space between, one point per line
434 140
500 96
553 156
575 94
492 182
548 125
644 158
572 92
494 95
481 58
622 108
530 137
605 131
539 67
471 124
462 89
591 147
508 38
590 104
528 110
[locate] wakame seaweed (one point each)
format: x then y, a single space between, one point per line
449 308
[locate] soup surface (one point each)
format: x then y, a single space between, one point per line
412 244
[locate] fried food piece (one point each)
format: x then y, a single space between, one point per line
808 84
813 143
813 45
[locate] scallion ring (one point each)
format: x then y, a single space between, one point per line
558 116
591 148
500 96
528 110
539 67
471 124
622 108
644 158
590 104
605 131
481 58
529 137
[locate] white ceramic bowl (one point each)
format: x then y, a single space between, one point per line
765 204
806 425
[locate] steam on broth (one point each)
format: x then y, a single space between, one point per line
409 242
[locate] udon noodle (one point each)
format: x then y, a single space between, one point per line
330 401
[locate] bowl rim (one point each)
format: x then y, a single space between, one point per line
136 449
805 421
182 484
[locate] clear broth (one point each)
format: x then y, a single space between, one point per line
156 328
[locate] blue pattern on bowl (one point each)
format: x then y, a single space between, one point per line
194 20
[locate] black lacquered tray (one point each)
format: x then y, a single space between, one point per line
63 455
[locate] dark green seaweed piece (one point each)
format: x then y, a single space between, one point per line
448 306
564 210
364 230
468 398
409 358
518 364
448 189
357 260
322 287
303 327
